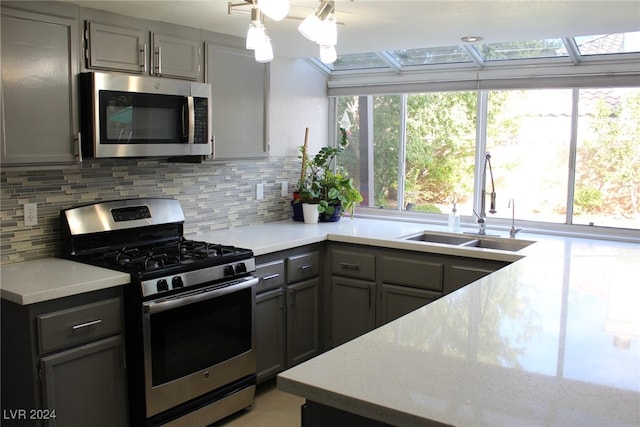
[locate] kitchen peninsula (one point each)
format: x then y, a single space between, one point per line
551 339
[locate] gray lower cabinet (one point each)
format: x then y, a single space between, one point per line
287 309
408 281
400 281
75 379
353 292
271 344
63 362
303 306
352 308
270 333
400 300
462 271
39 90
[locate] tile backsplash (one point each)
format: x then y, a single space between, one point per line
213 194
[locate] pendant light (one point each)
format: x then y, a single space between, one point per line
256 32
264 51
312 27
274 9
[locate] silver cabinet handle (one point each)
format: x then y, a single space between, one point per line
143 56
349 266
86 325
79 147
271 276
306 267
159 60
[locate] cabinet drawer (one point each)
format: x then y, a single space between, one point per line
80 324
412 272
305 266
271 275
352 264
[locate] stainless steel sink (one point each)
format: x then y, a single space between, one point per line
444 238
453 239
498 244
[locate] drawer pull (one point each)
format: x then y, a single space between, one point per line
86 325
271 276
349 266
306 267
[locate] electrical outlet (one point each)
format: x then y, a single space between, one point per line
259 191
30 214
284 189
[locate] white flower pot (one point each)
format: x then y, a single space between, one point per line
310 213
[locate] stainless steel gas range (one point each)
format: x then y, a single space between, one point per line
189 309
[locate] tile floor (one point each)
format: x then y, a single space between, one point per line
271 408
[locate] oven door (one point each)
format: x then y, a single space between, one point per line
197 342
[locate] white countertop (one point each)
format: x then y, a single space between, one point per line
45 279
551 340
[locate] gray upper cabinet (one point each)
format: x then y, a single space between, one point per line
109 47
38 108
175 56
239 87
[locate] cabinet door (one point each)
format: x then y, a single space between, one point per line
462 272
400 300
240 86
303 324
86 386
175 57
352 308
39 65
116 48
270 334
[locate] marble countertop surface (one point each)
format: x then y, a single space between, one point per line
45 279
550 340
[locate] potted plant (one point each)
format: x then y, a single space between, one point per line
333 191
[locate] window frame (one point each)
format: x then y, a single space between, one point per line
502 224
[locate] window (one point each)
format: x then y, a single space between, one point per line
565 156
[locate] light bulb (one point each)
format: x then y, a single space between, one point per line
274 9
264 50
255 35
328 54
309 27
328 32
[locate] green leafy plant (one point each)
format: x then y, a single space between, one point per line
320 184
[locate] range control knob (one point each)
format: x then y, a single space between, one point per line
228 270
177 282
162 285
241 268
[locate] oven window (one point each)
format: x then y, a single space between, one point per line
190 338
130 118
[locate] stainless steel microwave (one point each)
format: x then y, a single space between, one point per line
134 116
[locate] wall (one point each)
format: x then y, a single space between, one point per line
213 194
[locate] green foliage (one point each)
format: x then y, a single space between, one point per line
328 188
586 200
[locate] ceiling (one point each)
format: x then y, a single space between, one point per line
374 25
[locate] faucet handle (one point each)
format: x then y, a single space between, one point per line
514 231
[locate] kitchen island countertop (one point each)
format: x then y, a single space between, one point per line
550 340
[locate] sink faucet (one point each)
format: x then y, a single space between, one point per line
514 230
482 222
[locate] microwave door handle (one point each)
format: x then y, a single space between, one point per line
190 129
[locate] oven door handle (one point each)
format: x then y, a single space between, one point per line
175 301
